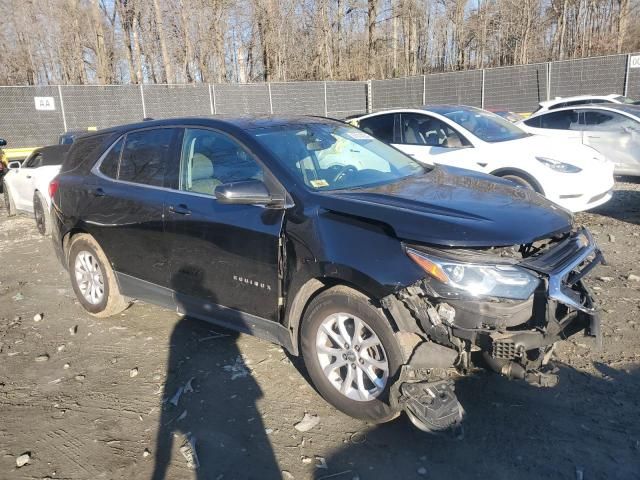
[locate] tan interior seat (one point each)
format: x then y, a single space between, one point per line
202 179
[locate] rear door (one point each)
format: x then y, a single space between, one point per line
126 203
220 254
614 135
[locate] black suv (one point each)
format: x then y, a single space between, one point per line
390 278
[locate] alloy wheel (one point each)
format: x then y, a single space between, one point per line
352 357
89 277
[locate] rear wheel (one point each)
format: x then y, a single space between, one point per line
9 205
41 214
518 180
93 279
351 353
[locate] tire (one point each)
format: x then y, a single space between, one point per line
41 214
107 300
522 182
9 205
323 310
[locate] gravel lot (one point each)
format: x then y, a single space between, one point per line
117 398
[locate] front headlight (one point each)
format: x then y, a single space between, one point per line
558 166
503 281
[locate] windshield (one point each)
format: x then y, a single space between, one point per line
625 100
485 125
331 157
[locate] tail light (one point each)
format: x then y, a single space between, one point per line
53 187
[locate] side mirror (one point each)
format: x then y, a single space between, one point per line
3 142
15 165
248 192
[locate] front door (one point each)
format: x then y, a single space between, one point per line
221 255
432 141
22 183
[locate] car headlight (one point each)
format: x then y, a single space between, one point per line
558 166
478 280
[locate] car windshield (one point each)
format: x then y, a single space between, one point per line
485 125
625 100
331 156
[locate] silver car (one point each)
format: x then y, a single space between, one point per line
613 130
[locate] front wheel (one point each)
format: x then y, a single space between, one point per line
41 214
351 353
93 279
522 182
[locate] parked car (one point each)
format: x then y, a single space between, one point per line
4 162
505 113
613 130
26 186
70 136
383 273
560 102
571 175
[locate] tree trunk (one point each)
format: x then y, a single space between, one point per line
166 60
372 14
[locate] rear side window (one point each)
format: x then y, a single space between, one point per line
380 127
145 156
109 165
87 148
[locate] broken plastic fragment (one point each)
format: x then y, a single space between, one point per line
307 423
188 451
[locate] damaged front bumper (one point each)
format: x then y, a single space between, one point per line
446 337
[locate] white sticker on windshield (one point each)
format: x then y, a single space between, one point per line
358 135
319 183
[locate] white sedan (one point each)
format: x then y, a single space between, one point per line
568 173
26 185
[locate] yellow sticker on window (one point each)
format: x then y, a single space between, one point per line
319 183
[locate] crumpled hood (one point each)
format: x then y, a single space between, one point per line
454 207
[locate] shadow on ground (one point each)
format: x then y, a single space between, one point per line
623 206
534 433
210 408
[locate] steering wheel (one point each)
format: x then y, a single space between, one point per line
343 172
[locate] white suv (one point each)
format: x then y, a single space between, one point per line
560 102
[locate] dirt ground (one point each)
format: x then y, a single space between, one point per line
117 398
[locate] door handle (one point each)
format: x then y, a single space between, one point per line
181 209
28 176
482 164
98 192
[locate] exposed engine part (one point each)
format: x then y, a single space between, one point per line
432 355
431 406
415 300
546 377
446 312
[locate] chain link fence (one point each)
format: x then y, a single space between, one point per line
35 116
519 88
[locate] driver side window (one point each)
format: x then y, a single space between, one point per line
418 129
210 159
33 162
